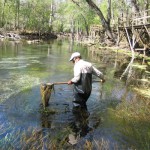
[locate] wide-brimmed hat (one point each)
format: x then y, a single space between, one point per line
75 54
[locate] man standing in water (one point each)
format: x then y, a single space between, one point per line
82 79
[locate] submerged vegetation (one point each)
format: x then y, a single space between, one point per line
21 73
133 121
131 116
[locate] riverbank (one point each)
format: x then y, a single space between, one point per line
26 35
132 117
36 35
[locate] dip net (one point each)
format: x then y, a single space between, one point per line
46 90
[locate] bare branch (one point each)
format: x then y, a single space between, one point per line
77 3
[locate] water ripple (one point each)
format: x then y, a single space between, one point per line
16 84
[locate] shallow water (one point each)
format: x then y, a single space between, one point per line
24 124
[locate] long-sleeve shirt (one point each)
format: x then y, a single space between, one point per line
82 80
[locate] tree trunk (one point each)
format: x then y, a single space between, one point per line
86 25
135 6
109 12
105 24
146 4
51 17
18 12
72 29
3 15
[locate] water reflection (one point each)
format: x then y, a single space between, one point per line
79 125
77 122
46 120
49 63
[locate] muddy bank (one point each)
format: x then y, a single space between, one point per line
36 35
18 35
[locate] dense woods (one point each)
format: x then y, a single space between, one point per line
66 15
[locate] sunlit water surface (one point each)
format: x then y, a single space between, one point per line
24 125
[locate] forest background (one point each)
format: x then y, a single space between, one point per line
66 16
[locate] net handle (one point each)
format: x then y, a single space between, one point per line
58 83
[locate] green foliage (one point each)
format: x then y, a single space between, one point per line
35 15
32 15
82 16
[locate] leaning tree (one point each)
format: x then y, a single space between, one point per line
105 22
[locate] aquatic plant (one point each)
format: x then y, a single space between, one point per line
40 139
133 120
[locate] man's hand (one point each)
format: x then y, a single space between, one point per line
70 82
102 80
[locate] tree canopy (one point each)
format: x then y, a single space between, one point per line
65 15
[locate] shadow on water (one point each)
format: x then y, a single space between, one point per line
79 124
23 122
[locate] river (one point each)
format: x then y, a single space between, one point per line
23 123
